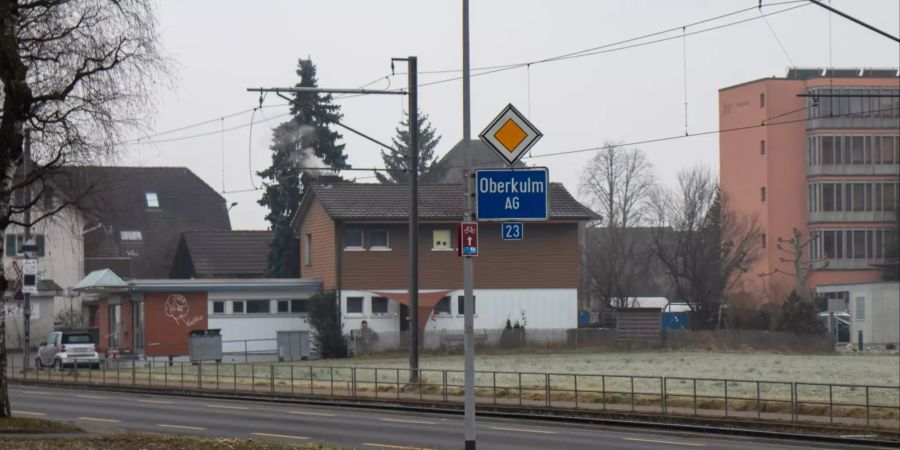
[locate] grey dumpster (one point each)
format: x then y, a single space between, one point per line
293 345
205 345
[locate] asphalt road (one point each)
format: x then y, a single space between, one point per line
105 411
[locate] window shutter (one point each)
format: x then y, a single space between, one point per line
39 240
11 245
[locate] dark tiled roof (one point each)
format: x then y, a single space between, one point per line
349 201
449 169
227 254
114 200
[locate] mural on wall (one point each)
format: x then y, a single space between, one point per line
177 309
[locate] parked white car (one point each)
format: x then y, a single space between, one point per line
67 348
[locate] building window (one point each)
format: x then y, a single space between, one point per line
762 100
379 239
353 239
237 307
379 305
461 304
152 200
762 194
440 240
284 306
762 147
257 306
48 198
860 308
763 239
307 249
856 150
442 307
131 235
889 196
14 244
218 307
354 305
299 306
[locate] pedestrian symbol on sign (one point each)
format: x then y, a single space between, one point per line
467 233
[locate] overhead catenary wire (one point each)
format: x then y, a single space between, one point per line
775 35
577 53
684 76
702 133
615 46
601 49
764 123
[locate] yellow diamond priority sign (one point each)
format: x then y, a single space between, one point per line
510 134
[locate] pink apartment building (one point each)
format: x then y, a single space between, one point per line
827 163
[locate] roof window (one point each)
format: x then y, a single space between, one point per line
152 200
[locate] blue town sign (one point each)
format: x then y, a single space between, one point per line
512 194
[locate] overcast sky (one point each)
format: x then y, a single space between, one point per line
223 47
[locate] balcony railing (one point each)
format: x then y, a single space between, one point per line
851 216
853 169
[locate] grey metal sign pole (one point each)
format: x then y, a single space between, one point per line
413 122
468 301
26 313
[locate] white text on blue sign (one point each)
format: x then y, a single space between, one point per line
512 194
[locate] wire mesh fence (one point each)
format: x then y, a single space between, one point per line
847 404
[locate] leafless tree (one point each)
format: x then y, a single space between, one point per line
704 245
618 183
76 75
796 251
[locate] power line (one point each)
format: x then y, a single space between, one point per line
703 133
197 124
486 70
764 123
587 50
606 49
199 135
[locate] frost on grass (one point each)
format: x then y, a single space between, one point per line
881 369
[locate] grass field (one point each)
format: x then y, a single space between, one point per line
637 372
871 369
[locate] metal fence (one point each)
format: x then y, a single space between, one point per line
847 404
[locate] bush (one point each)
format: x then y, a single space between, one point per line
799 316
324 319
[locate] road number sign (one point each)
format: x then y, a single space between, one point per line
29 276
468 239
505 194
512 231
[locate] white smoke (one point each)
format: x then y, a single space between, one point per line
305 156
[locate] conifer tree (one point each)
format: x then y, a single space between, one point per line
305 141
396 161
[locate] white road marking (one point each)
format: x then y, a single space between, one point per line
522 430
395 447
28 413
36 392
655 441
99 419
156 402
93 397
422 422
280 436
180 427
227 407
308 413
